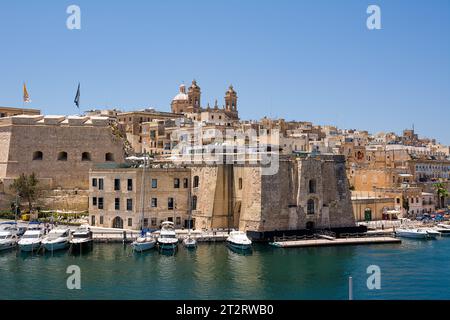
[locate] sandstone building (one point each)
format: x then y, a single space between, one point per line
309 192
59 150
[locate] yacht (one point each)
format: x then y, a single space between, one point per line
31 239
57 239
81 238
167 239
8 238
417 233
145 242
239 240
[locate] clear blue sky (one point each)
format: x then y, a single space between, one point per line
299 60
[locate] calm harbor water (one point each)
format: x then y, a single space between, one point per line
411 270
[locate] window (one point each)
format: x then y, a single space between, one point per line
185 182
109 157
130 222
154 183
178 221
100 203
101 219
153 222
100 184
170 204
194 203
240 183
62 156
196 181
38 155
145 222
129 204
94 201
130 184
85 156
117 203
312 186
176 183
116 184
93 220
94 182
154 202
310 209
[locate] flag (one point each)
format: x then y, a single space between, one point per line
26 97
77 97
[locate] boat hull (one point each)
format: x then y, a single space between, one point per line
167 246
413 235
239 246
29 247
7 246
143 246
84 246
56 246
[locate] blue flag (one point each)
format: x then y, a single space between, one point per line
77 97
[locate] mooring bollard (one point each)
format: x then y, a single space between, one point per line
350 288
124 236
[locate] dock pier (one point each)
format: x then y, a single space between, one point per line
334 242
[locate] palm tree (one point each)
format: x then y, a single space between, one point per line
442 193
26 187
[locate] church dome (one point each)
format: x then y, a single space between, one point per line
181 96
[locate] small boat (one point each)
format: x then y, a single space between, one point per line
31 240
444 226
145 242
443 231
432 233
416 233
81 239
57 239
8 238
239 240
167 239
189 242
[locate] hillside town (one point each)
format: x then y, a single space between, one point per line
202 166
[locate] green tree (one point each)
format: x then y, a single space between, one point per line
26 187
442 193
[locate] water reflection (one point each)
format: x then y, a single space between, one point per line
213 271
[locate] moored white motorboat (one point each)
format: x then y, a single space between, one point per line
144 242
167 239
432 233
81 239
239 240
414 233
443 231
31 240
8 238
57 239
189 242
